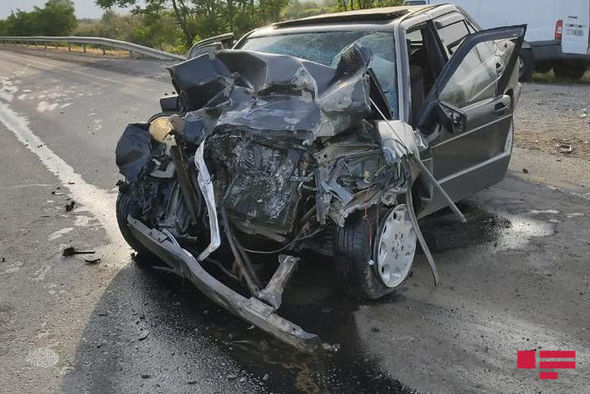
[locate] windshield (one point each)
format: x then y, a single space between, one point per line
325 48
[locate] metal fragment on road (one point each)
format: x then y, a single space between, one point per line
71 251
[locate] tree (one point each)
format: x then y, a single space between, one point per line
56 18
198 19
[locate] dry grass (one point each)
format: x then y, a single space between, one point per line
75 48
548 77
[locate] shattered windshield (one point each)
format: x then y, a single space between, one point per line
325 48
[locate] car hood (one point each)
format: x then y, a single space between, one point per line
273 94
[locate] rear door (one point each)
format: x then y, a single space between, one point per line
467 117
575 32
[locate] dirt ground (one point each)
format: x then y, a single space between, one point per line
553 118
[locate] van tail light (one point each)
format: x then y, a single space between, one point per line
558 30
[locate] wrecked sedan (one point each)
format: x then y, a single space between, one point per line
332 133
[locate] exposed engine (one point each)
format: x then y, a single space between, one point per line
258 183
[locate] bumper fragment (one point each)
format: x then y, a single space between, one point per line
250 309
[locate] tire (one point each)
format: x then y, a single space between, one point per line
569 70
355 245
527 65
543 67
127 206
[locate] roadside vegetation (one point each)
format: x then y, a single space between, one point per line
56 18
549 77
175 25
170 25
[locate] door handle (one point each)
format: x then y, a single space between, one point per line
500 108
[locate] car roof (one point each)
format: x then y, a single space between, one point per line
378 19
371 14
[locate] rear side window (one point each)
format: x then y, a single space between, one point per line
453 35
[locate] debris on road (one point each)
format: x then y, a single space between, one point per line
92 261
69 206
143 335
565 148
71 251
525 171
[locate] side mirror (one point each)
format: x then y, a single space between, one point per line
198 50
170 103
451 118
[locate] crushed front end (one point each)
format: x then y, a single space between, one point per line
268 155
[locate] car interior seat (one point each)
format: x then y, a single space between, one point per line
419 68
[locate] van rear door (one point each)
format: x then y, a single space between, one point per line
576 18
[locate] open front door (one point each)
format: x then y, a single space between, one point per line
467 117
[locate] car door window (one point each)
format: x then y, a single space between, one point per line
424 55
476 78
452 35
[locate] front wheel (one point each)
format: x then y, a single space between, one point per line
127 206
374 259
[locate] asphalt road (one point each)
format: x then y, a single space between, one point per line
516 277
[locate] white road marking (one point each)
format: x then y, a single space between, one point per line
82 221
549 211
14 267
98 201
43 357
45 106
41 273
8 90
59 233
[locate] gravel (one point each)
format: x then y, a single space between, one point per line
550 115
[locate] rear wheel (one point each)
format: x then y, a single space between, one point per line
127 206
543 67
569 70
526 66
372 260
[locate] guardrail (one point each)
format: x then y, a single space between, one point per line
99 41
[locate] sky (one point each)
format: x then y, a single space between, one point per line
84 8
